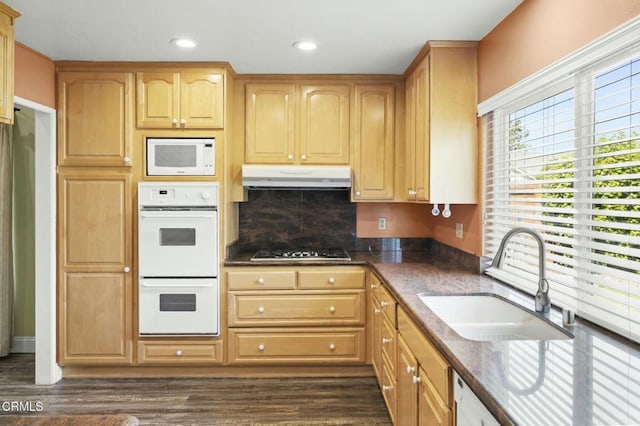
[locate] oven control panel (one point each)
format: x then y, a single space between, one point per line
177 194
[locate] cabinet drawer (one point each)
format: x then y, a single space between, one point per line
388 388
296 309
175 352
331 279
388 343
388 305
256 280
433 363
376 286
300 345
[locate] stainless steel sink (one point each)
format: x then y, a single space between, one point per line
486 317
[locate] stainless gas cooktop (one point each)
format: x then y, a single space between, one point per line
301 254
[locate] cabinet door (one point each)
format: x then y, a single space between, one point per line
374 142
376 338
324 124
410 126
407 390
432 411
94 217
6 68
201 100
94 119
157 100
421 131
95 312
270 123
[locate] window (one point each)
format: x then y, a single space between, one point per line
565 162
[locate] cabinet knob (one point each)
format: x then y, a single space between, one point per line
126 269
332 280
303 157
376 311
174 121
183 122
384 304
410 369
357 193
260 280
386 340
261 309
373 286
261 348
126 160
332 347
290 157
416 380
332 309
179 352
386 388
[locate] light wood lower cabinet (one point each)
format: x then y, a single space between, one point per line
179 352
296 346
320 313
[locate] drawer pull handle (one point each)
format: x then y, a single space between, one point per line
261 309
332 309
386 388
386 340
174 121
376 311
410 369
385 304
332 347
260 280
179 352
261 348
332 280
126 269
416 380
373 286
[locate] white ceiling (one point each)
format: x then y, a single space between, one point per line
255 36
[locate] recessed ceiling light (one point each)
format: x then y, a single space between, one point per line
185 43
305 45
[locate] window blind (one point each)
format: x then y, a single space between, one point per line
565 162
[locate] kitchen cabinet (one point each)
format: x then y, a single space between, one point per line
441 125
94 263
296 315
424 378
180 100
95 118
297 123
7 42
384 350
374 141
179 352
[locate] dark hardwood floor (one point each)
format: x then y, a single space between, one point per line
219 401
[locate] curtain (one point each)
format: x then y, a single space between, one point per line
6 251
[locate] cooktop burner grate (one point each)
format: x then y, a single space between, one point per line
302 254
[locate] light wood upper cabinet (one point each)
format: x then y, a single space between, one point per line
289 123
374 142
324 124
442 152
7 18
270 123
180 100
94 119
94 262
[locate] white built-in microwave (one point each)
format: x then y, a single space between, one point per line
181 156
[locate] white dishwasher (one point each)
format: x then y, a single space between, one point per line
469 410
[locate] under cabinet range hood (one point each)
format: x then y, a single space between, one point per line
296 177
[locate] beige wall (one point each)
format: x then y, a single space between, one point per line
35 76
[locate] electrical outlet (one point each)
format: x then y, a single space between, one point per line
459 233
382 224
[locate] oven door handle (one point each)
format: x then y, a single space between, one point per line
173 216
176 286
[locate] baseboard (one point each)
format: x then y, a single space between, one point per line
23 345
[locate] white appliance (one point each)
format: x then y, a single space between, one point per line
300 177
181 156
469 410
178 260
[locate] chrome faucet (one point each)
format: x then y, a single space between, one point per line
543 302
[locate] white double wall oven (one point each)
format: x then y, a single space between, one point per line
178 258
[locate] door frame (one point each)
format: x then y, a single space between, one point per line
47 371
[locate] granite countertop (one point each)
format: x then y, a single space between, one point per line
593 378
